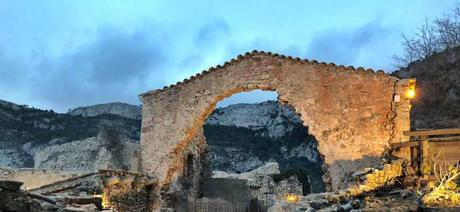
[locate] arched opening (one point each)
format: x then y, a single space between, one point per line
257 150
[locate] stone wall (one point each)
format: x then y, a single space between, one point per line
350 111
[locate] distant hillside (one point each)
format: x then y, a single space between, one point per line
115 108
437 104
24 130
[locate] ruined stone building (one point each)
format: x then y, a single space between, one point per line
354 113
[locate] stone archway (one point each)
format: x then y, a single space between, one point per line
351 112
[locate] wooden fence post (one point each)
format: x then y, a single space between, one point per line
425 157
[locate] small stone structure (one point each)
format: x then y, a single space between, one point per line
353 113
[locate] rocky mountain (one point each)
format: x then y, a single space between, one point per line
241 137
115 108
437 104
268 118
25 131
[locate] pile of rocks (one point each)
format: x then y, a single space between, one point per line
12 198
98 191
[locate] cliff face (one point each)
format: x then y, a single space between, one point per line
25 132
92 154
115 108
437 104
267 118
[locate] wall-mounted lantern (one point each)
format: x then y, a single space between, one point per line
410 93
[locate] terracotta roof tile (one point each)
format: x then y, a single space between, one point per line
246 55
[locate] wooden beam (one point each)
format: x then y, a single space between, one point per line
404 144
452 131
414 158
41 197
445 139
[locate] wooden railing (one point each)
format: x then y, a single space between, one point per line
424 144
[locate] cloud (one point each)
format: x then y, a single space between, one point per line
11 71
117 57
346 46
62 56
212 32
207 42
113 67
13 77
116 65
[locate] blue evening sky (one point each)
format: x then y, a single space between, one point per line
63 54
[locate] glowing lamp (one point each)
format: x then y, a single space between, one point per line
105 200
410 93
292 198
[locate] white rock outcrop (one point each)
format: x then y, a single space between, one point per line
115 108
86 155
305 150
268 169
275 118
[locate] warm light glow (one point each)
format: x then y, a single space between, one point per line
105 200
292 198
411 89
410 94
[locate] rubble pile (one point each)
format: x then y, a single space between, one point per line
375 188
128 191
397 200
312 202
12 198
97 191
257 188
378 178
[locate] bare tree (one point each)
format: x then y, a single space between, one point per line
448 28
431 37
424 43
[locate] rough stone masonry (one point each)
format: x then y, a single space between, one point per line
353 113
